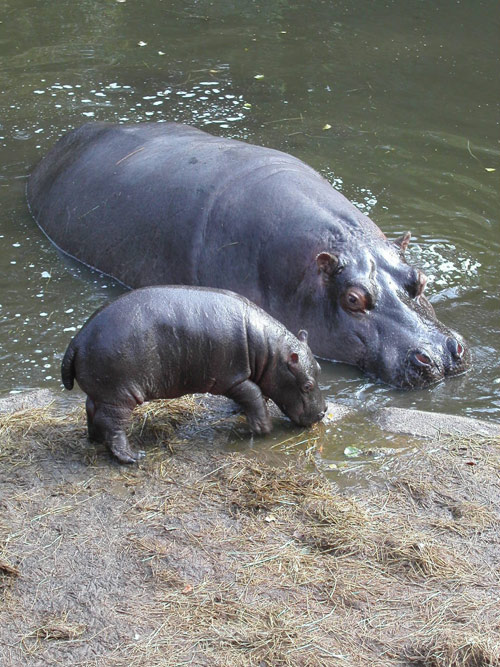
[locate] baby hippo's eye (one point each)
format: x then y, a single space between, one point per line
355 300
308 386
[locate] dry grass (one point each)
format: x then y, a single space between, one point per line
336 525
6 568
467 518
452 649
256 487
416 554
214 559
161 418
227 630
56 431
59 628
42 425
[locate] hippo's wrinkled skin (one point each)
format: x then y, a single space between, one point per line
164 342
166 203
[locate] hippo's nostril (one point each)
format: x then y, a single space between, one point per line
422 359
455 348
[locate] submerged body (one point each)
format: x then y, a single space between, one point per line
161 203
165 342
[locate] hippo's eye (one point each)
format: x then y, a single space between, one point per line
308 386
355 299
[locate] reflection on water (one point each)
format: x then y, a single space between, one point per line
211 103
208 102
394 105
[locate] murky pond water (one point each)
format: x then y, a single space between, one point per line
395 103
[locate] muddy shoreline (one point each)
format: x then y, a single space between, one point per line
200 556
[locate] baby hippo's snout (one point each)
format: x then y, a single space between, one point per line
316 417
315 407
309 416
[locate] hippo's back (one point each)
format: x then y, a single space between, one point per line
162 203
101 196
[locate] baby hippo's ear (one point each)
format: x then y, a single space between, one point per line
302 336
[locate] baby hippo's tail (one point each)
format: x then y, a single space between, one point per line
68 367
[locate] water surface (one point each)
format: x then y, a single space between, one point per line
396 103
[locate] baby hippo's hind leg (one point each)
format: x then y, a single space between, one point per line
107 424
90 409
250 397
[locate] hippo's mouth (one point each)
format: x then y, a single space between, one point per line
304 417
306 422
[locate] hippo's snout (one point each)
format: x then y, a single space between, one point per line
420 359
456 349
459 359
427 365
422 368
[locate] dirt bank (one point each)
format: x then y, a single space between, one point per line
202 557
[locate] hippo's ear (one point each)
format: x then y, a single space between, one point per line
302 336
327 263
403 241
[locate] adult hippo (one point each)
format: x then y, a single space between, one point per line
162 203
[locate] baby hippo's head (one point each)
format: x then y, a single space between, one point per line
293 384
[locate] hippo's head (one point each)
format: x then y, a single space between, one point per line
293 382
387 326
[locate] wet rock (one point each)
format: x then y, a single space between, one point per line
429 424
27 400
335 412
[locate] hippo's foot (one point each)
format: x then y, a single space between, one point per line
106 424
258 425
250 397
121 448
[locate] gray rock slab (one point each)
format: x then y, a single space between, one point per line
27 400
431 424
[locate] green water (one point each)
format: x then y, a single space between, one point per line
396 103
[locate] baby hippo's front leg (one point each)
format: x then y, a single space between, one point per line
250 397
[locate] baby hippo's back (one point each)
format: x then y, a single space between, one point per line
163 342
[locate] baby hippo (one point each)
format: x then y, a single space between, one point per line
164 342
